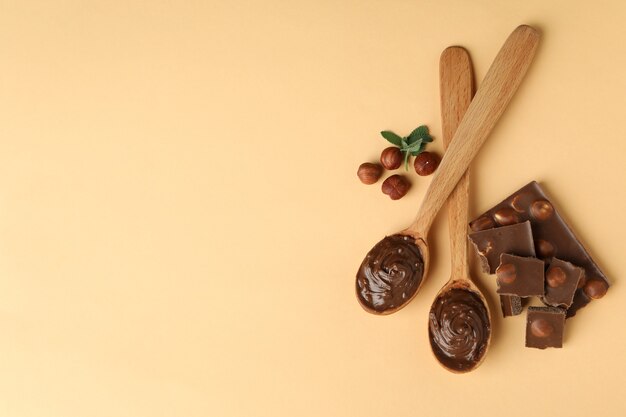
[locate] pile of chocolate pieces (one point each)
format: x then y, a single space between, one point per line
534 253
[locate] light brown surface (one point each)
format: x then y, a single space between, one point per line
181 220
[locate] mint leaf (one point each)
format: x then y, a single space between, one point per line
392 138
415 146
420 132
406 160
419 150
412 139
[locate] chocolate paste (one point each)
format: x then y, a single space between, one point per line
459 329
390 273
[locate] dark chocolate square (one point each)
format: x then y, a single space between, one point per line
553 238
490 244
544 327
521 276
562 279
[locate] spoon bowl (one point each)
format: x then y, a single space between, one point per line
390 275
459 326
384 283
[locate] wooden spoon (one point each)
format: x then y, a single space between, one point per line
459 320
395 269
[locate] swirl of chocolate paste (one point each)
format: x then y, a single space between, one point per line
390 273
459 329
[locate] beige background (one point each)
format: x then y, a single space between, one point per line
180 220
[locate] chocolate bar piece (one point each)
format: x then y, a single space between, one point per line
544 327
521 276
553 238
562 279
511 305
516 239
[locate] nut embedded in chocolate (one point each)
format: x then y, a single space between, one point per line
555 277
482 223
541 209
506 216
506 273
519 203
544 327
541 328
544 249
521 276
595 289
561 281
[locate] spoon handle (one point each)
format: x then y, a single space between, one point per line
456 90
495 92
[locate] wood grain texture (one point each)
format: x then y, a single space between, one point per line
456 89
500 84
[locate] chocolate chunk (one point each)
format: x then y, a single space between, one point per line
520 276
511 305
490 244
553 238
562 279
544 327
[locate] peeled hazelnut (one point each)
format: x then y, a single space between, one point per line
391 158
555 277
506 216
541 209
506 273
396 186
369 173
595 289
541 328
544 248
482 223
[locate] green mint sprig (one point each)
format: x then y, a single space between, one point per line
414 144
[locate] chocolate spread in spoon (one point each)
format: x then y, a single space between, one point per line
459 329
390 273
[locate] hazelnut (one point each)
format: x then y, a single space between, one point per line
426 163
506 216
541 209
506 274
544 248
541 328
555 277
391 158
369 173
595 289
482 223
396 186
